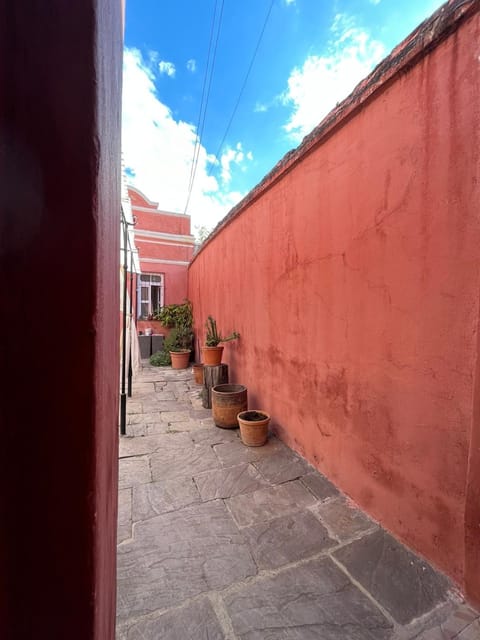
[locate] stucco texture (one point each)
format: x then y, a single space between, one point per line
353 277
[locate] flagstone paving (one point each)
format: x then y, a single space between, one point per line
220 541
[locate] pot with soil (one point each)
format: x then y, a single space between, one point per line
180 358
228 400
253 427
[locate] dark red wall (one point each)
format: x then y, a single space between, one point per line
60 82
352 274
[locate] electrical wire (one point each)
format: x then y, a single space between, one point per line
205 77
243 87
204 104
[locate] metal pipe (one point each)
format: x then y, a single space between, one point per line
130 369
123 397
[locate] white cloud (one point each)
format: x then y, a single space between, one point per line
323 81
260 108
287 2
192 65
375 1
158 151
233 156
167 67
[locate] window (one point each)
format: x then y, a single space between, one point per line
151 293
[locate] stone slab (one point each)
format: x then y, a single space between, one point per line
472 632
174 416
311 601
134 407
231 453
155 404
320 486
157 428
150 500
183 461
179 555
406 586
151 443
210 435
199 414
197 621
287 539
132 471
148 417
281 466
124 521
229 481
140 388
266 504
136 430
343 520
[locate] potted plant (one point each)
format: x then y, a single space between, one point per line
179 318
212 351
253 427
227 401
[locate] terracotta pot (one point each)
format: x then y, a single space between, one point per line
212 356
180 359
198 373
227 401
253 427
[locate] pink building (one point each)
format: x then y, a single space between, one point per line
165 247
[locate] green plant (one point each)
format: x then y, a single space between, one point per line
214 338
179 318
176 315
160 359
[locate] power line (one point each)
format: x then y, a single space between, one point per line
204 103
205 77
243 85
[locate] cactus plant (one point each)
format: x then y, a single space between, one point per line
214 338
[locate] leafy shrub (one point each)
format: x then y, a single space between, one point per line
160 359
179 317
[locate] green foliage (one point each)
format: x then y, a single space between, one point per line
214 338
179 318
176 315
172 341
160 359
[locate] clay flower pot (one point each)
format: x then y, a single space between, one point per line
227 401
212 356
253 427
180 359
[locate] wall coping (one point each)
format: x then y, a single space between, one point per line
408 53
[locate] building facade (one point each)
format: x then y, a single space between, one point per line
165 247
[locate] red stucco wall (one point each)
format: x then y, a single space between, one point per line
352 274
60 81
165 222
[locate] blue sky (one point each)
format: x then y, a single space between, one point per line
311 55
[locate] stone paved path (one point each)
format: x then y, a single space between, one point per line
220 541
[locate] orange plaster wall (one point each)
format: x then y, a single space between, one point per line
164 222
165 251
353 279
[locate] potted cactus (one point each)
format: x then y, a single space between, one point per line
212 351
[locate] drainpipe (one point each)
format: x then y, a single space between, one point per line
130 371
123 397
